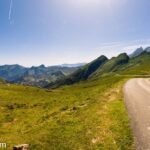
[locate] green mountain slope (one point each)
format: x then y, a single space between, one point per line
36 76
12 72
87 70
121 64
82 73
112 65
139 65
88 115
96 68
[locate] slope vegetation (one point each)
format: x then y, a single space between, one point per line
87 115
113 65
36 76
138 65
81 74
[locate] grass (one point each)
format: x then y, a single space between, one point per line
89 115
85 116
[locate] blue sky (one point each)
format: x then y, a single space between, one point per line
50 32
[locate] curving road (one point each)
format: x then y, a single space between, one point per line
137 99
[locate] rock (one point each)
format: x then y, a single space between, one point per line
21 147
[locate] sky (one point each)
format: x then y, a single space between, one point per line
52 32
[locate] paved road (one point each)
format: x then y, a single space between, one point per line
137 99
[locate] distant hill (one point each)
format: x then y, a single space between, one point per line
112 65
122 64
37 76
66 74
147 49
138 51
12 72
139 65
81 74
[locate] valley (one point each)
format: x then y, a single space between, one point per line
36 76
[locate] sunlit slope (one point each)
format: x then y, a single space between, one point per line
88 115
139 65
112 65
81 74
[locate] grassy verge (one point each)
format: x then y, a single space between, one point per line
85 116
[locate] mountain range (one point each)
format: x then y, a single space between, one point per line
36 76
138 51
103 66
55 76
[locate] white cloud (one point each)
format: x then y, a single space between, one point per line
114 48
10 9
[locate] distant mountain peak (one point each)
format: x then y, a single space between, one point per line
42 66
137 52
35 75
83 73
147 49
122 54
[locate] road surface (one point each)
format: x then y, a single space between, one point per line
137 99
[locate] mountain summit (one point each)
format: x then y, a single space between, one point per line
82 73
137 52
36 76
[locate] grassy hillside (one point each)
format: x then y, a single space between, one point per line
125 66
139 65
112 65
96 68
81 74
86 116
